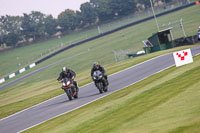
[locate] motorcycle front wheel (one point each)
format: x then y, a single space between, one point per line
100 86
68 92
105 89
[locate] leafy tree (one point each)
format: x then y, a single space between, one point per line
102 8
88 13
80 23
67 20
2 31
121 7
167 1
50 25
11 39
27 28
146 3
33 25
10 32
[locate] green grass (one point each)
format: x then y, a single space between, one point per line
132 41
43 85
165 102
23 95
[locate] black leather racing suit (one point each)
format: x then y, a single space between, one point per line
101 69
69 74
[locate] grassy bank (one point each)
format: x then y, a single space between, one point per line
166 102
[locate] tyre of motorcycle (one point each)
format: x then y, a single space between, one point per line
74 89
69 93
76 96
105 88
105 85
100 86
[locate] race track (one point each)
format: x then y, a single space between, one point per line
88 93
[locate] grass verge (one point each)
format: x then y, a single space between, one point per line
165 102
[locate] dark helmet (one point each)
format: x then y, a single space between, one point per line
64 69
96 64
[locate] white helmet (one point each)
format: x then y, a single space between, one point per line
64 69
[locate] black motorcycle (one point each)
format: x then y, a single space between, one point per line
99 80
69 88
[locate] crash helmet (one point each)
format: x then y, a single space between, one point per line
64 69
96 64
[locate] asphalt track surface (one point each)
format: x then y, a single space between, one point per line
61 105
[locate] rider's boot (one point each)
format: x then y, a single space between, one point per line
105 82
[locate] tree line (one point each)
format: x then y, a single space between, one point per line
16 30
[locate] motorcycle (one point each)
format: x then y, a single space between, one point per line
69 88
99 79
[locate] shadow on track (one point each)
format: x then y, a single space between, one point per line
68 101
82 97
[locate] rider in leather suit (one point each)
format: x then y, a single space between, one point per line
68 73
97 66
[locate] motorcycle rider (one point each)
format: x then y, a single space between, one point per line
97 66
68 73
